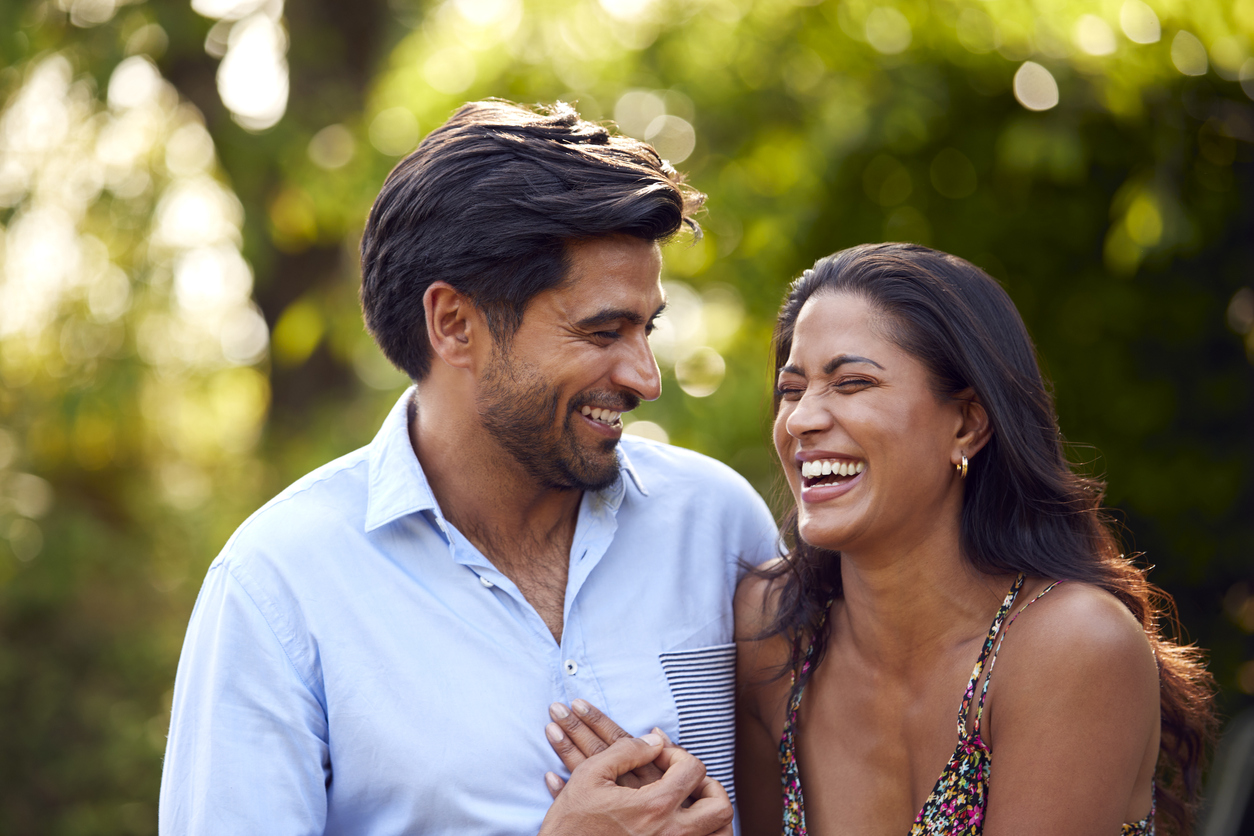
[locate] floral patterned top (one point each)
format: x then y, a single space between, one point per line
957 803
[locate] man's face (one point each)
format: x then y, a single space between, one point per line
552 396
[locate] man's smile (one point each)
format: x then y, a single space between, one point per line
602 416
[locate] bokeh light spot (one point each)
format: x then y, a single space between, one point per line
134 82
647 429
636 110
673 138
1139 22
1188 54
1035 87
297 333
1246 77
700 372
253 78
332 147
888 30
226 9
1094 35
394 131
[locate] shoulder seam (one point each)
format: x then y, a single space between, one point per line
282 645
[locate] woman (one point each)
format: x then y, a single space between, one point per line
936 517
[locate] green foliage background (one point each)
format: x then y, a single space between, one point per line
136 432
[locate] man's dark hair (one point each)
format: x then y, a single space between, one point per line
489 201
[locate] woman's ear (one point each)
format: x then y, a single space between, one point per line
974 430
454 324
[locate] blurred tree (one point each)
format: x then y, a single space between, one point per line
155 158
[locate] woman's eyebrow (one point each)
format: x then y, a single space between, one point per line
832 364
841 359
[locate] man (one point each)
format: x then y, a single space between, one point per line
376 650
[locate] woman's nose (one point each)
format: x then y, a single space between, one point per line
808 415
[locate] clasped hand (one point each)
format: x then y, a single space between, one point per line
620 784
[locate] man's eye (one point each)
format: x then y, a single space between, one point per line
605 335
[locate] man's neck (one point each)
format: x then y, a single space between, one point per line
524 528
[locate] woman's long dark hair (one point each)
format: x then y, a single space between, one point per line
1024 509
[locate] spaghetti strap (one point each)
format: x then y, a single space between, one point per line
969 694
979 710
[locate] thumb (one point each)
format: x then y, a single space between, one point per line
621 757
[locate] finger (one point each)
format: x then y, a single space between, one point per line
625 755
666 738
565 748
581 734
683 774
608 731
605 728
711 812
554 782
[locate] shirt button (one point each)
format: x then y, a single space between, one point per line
571 667
487 583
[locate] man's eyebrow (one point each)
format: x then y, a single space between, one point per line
832 364
609 316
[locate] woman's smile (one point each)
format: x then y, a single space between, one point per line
826 476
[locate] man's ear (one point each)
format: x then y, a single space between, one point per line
975 430
454 324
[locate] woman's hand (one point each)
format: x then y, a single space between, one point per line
581 731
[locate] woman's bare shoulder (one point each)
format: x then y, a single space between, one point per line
1078 620
1079 639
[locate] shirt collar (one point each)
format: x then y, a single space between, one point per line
397 484
399 487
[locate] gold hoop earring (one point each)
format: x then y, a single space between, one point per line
961 467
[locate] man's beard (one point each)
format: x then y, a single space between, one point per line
519 408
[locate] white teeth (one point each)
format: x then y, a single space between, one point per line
831 467
605 416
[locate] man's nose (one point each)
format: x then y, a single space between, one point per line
637 370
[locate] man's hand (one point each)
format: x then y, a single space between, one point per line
593 804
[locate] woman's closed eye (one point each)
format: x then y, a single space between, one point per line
849 384
789 392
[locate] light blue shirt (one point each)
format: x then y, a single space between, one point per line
354 665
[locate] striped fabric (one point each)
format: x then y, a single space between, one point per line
703 683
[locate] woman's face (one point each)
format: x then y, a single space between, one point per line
867 446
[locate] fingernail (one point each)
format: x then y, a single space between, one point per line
652 739
558 711
580 707
554 731
554 783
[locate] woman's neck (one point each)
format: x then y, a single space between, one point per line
902 609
